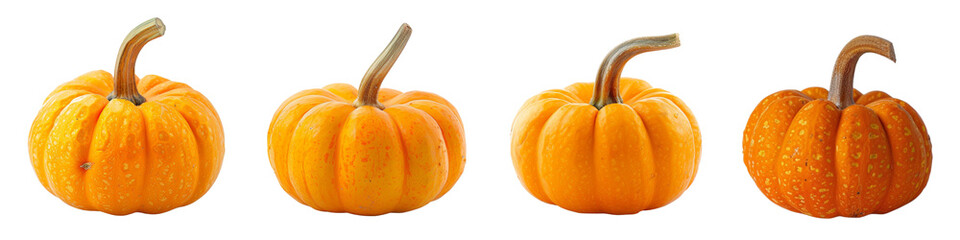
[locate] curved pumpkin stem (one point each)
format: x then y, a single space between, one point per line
125 79
370 85
607 88
841 86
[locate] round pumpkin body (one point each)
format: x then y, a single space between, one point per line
369 151
333 156
808 156
838 152
623 158
117 157
99 144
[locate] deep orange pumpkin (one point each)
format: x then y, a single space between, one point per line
367 152
618 146
837 152
98 144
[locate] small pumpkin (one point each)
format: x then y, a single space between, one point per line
369 151
627 147
98 144
838 152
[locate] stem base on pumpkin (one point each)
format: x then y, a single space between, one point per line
125 79
607 88
841 85
370 85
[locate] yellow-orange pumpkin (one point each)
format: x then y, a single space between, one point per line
98 144
837 152
367 152
618 146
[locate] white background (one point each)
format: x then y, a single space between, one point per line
486 58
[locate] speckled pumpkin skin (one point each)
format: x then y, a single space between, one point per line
626 157
163 154
809 157
335 157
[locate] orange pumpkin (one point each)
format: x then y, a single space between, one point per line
98 144
367 152
627 147
837 152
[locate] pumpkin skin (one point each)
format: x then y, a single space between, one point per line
151 158
639 154
97 144
334 154
810 155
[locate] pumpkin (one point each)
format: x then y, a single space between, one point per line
369 151
618 146
122 145
838 152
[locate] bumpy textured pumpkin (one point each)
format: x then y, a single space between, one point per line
97 144
627 147
837 152
367 152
